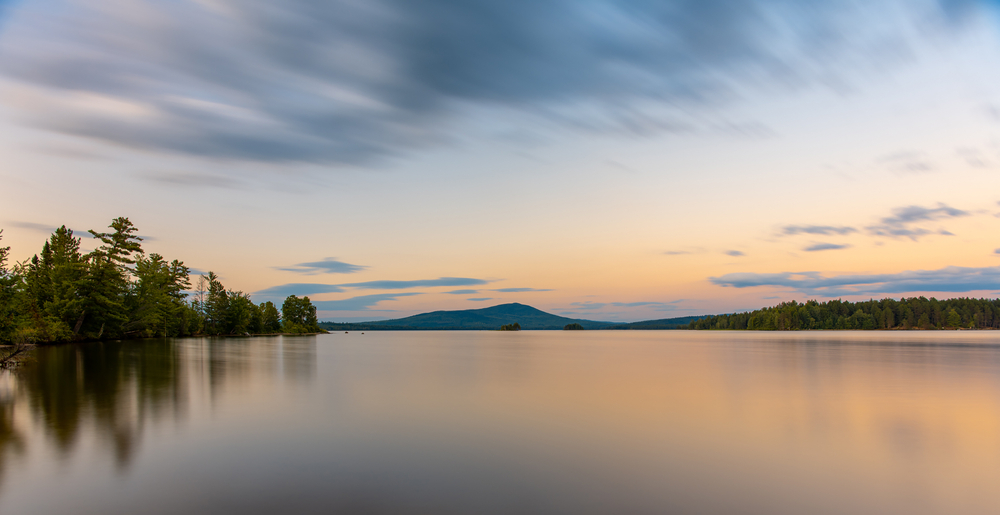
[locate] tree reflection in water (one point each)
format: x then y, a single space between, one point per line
115 389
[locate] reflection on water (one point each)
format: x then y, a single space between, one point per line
489 422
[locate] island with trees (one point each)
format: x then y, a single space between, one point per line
117 291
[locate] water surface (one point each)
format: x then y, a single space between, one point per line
508 422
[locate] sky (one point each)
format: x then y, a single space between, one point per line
609 160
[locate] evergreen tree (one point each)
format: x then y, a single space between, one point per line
242 315
954 319
909 313
107 280
66 273
270 318
298 315
155 301
8 283
216 306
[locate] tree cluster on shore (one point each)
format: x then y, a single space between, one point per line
118 291
511 327
907 313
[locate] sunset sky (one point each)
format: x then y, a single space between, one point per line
609 160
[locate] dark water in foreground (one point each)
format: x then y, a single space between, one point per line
489 422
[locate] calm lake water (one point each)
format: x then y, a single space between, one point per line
577 422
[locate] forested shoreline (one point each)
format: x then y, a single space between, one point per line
117 291
906 313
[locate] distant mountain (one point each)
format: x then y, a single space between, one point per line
486 318
493 317
663 323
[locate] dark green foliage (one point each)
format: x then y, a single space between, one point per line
270 318
8 283
907 313
102 290
117 291
573 327
155 301
216 306
299 315
663 323
511 327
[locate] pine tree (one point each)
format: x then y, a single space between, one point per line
107 280
8 282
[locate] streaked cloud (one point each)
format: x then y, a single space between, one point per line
194 179
32 226
420 283
344 81
824 230
462 292
902 222
360 303
816 247
734 253
519 290
949 279
326 266
908 162
316 288
300 289
660 306
480 299
49 229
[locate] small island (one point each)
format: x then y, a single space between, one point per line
511 327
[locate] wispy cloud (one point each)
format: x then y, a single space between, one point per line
285 290
675 253
49 229
908 162
359 303
816 247
420 283
973 157
326 266
903 220
480 299
948 279
734 253
462 292
344 81
316 288
519 290
32 226
824 230
660 306
198 180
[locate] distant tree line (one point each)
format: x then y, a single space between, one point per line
510 327
118 291
907 313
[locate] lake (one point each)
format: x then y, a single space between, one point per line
574 422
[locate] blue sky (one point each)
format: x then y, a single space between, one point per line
619 158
